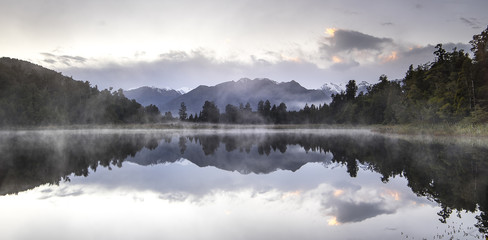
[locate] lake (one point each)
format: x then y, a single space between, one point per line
240 184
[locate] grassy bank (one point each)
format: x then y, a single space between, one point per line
187 125
471 130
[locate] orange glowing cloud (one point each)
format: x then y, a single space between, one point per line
291 194
333 222
336 59
290 59
330 31
395 195
338 192
389 58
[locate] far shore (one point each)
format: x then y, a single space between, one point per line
461 130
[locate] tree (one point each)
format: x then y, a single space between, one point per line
261 107
210 113
351 89
480 82
182 111
231 113
168 116
281 113
248 108
152 113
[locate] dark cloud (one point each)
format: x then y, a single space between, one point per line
344 65
471 22
48 60
347 40
426 53
64 59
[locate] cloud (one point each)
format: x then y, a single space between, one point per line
471 22
342 66
343 55
189 69
387 24
348 40
347 49
63 59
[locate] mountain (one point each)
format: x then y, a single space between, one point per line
363 87
246 90
152 95
332 88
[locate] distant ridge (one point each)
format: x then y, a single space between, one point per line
152 95
250 91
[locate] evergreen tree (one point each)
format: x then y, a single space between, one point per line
210 113
351 89
182 111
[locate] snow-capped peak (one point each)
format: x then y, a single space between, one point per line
332 87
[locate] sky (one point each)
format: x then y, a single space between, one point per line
183 44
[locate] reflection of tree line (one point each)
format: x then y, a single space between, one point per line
29 161
452 175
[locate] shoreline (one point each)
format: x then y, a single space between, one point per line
443 130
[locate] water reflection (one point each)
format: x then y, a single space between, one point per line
452 175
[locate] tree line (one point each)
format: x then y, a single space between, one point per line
451 89
33 95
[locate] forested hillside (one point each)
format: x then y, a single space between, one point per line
452 88
32 95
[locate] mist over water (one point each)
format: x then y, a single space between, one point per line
240 183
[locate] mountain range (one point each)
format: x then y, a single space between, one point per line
242 91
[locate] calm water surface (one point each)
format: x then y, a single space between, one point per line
240 184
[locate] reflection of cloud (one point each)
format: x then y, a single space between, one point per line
350 204
60 192
174 196
356 212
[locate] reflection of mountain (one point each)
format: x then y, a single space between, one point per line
450 174
245 154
